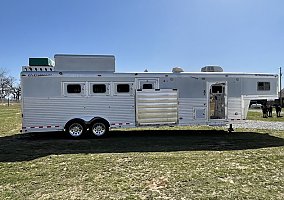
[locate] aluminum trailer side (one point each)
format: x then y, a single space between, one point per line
84 97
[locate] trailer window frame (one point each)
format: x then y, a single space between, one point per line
65 89
91 89
140 82
263 86
129 92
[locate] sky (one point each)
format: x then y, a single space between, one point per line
238 35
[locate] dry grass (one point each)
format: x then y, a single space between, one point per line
164 163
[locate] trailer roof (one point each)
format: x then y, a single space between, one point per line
78 55
143 74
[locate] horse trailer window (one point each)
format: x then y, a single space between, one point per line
73 88
263 86
217 89
122 88
99 88
147 86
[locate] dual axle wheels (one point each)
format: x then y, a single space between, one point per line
77 128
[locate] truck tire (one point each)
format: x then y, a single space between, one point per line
99 128
76 128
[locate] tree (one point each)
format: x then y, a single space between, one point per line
7 86
16 92
3 83
3 72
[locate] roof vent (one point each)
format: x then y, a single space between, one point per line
211 69
177 70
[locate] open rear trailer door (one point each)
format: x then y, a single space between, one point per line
217 102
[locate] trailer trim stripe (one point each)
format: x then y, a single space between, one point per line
121 124
40 127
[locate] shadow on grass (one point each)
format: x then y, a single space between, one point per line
25 147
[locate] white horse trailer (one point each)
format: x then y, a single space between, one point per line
83 93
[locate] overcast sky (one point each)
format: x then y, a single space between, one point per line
239 35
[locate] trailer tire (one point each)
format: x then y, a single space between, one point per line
76 128
99 128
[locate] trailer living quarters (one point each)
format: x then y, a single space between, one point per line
83 93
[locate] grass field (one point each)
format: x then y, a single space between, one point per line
256 114
10 119
163 163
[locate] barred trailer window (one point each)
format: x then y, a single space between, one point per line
74 88
148 86
122 88
99 88
263 86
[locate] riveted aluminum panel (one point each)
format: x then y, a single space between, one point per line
200 113
187 108
58 111
234 108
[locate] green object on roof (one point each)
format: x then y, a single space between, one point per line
41 62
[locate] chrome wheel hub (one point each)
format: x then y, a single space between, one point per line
76 130
99 129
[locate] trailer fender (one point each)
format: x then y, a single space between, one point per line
95 119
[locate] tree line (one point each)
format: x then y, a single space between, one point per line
9 87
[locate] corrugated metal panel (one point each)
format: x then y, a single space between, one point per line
57 111
156 106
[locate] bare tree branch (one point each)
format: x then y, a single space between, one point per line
3 72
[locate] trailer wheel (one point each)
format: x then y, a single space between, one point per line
99 128
75 128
